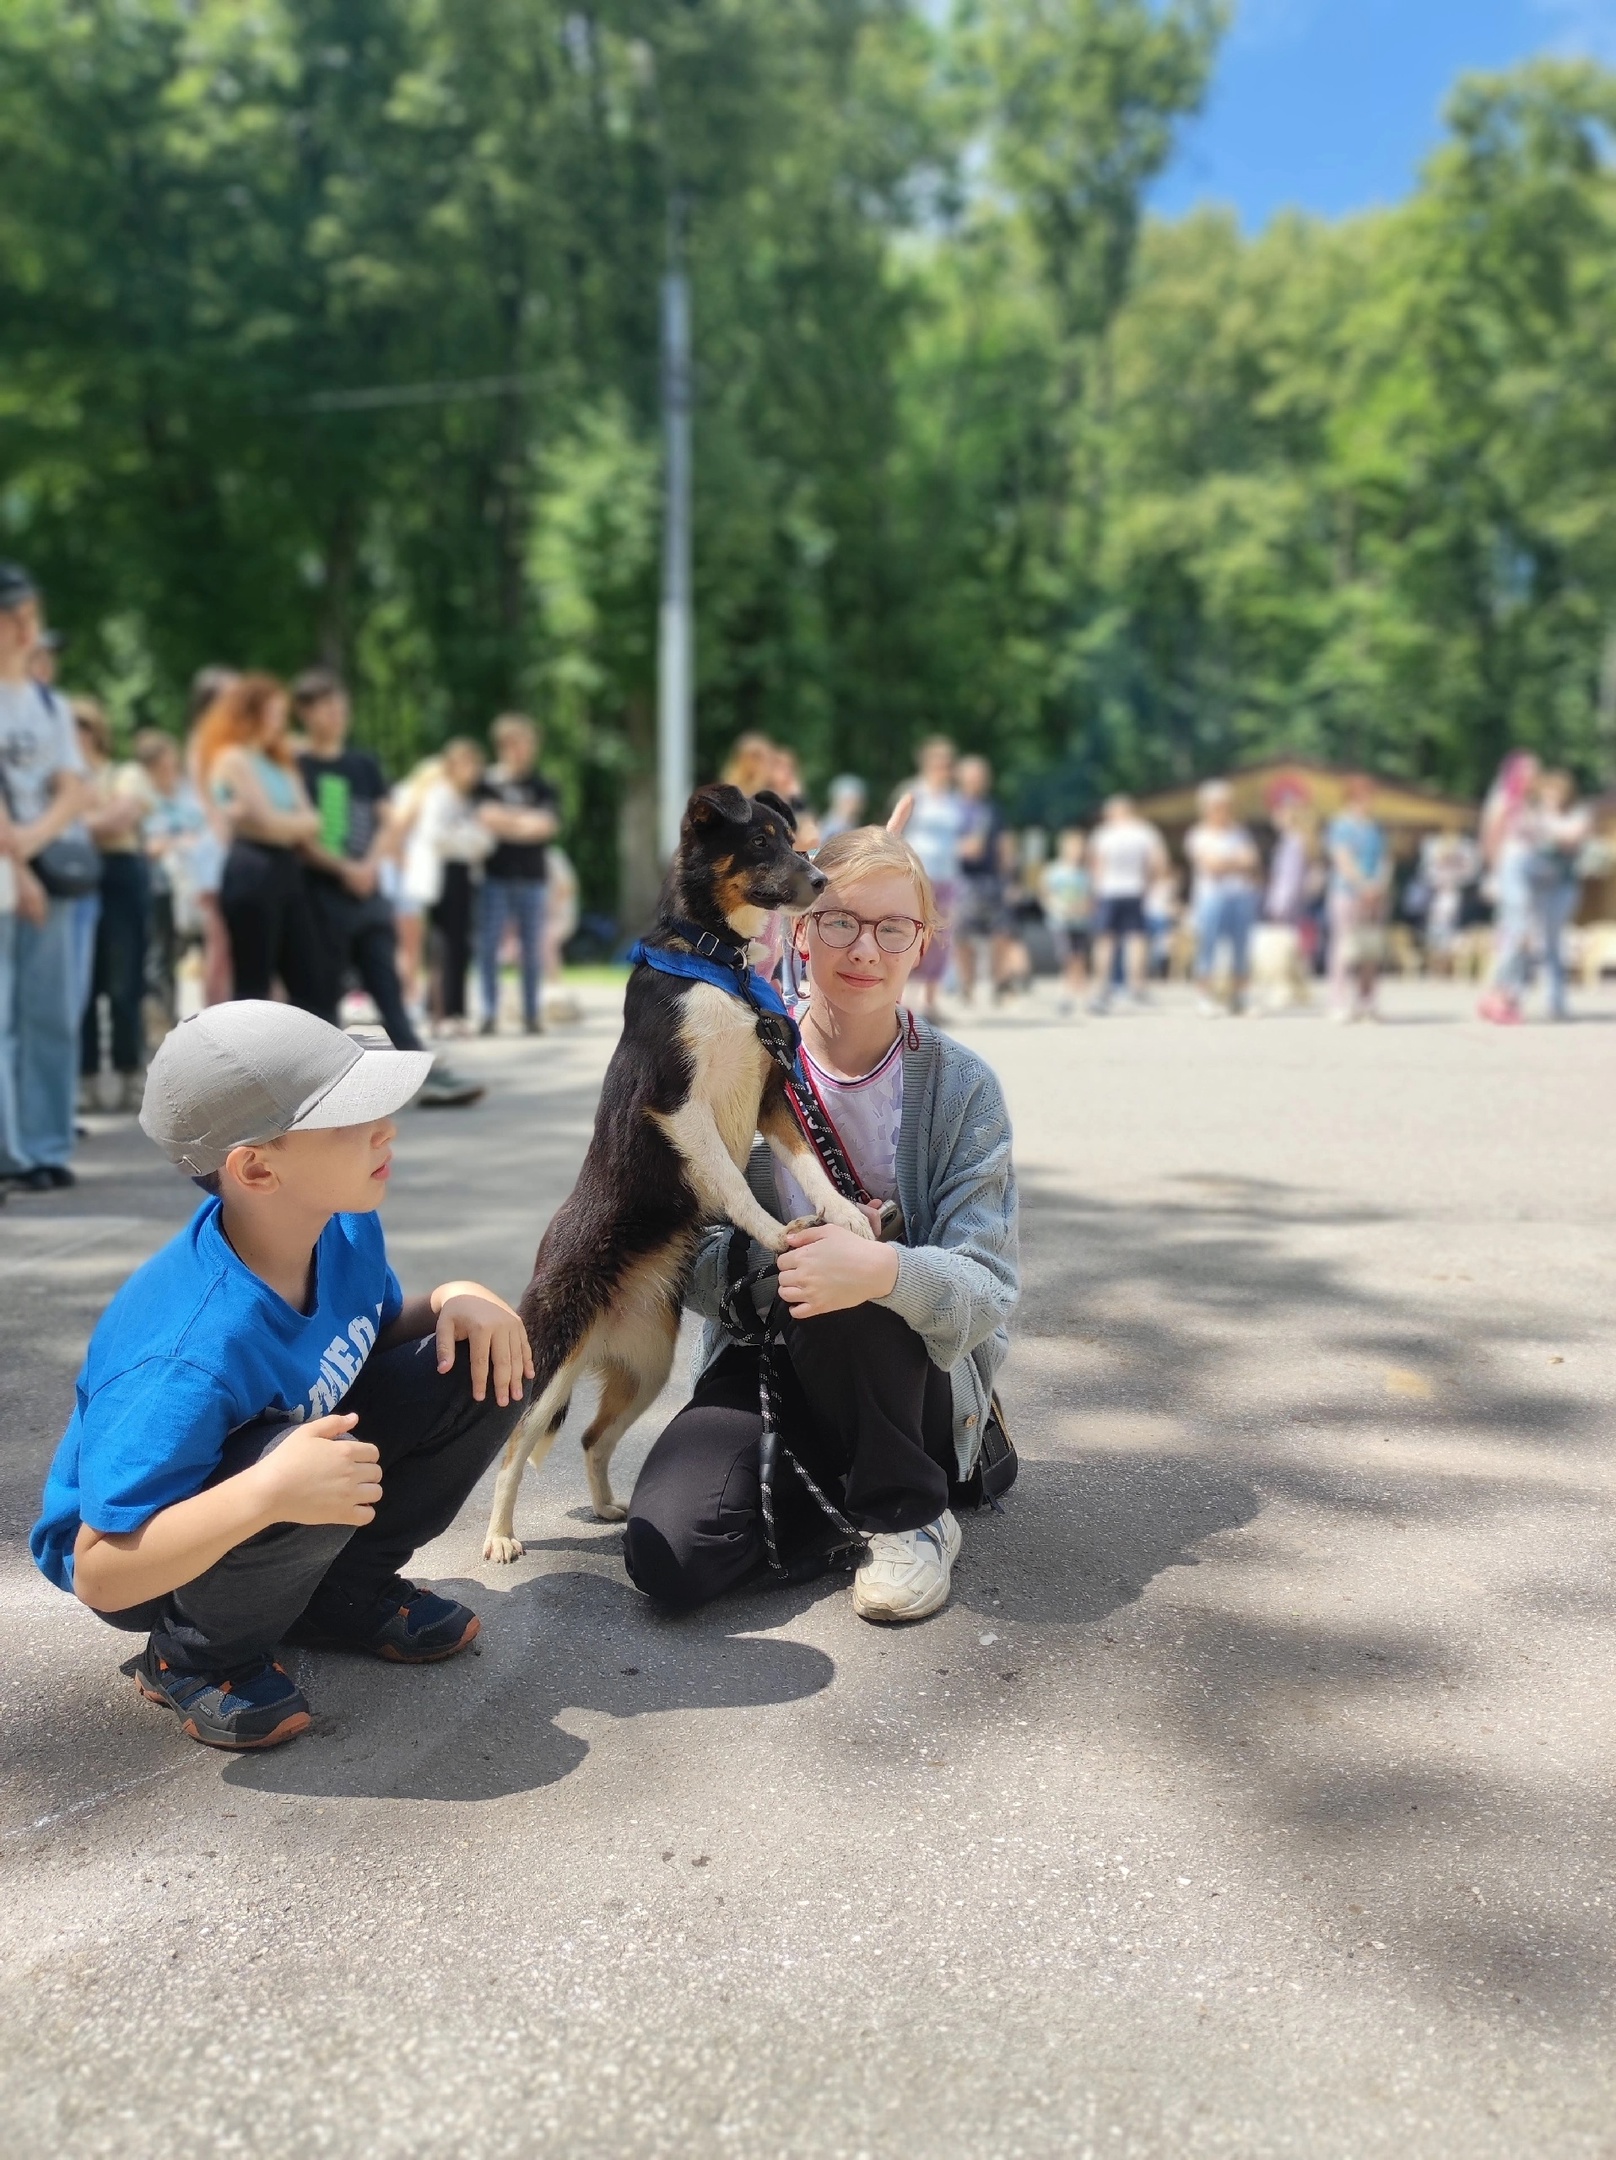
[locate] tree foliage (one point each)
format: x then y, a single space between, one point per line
330 327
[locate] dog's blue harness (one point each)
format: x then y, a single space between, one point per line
723 963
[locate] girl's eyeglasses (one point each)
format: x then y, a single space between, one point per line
838 929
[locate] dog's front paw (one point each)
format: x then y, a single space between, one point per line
849 1216
502 1549
610 1510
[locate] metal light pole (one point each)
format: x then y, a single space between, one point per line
677 639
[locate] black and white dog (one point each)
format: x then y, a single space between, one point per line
689 1086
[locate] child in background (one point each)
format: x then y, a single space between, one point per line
211 1491
1068 904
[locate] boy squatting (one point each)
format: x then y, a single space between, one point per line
265 1427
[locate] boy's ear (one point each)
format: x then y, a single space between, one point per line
716 804
251 1168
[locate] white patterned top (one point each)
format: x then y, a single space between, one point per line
867 1114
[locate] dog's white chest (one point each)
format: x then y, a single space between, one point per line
728 1064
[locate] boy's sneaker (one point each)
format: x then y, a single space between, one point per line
256 1706
906 1573
406 1625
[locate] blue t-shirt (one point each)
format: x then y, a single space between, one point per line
192 1346
1363 840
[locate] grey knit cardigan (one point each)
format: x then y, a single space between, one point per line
958 1272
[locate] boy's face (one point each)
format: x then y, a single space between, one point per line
342 1171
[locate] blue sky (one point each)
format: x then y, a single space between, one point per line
1330 105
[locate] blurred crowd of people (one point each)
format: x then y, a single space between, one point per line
263 852
1337 897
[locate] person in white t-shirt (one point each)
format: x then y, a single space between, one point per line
1126 855
1225 862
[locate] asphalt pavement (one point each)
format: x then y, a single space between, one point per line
1253 1795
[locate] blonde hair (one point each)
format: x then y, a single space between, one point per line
866 851
751 763
91 715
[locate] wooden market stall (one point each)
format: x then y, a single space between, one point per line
1407 810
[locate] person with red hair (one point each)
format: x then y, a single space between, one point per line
246 765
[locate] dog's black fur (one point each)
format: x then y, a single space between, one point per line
688 1086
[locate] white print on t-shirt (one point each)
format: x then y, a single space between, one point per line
1120 858
340 1362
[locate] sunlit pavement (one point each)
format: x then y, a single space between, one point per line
1252 1796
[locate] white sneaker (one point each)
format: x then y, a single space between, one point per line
906 1573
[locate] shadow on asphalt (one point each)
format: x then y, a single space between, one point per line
486 1726
1170 1288
1361 1731
1081 1538
1076 1542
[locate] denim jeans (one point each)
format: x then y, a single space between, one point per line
1226 913
1512 931
522 901
39 1037
86 918
1552 909
10 1142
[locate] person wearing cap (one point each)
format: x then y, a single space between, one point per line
43 795
265 1428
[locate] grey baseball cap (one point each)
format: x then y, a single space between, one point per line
252 1070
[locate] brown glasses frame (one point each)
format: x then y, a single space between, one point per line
872 923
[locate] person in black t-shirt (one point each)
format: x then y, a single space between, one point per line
518 806
353 915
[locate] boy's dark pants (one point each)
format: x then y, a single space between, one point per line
435 1443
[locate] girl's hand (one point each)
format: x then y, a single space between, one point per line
470 1314
826 1269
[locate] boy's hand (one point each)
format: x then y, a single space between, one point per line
826 1269
470 1314
319 1475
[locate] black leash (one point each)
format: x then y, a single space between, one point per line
767 1336
739 1314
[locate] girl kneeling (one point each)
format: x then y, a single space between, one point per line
883 1383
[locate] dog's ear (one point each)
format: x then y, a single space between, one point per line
717 804
770 801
